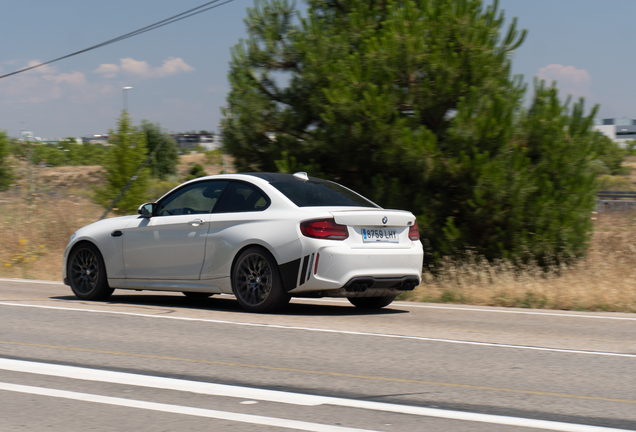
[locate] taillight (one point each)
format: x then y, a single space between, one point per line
324 229
414 233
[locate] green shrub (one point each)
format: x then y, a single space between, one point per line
614 183
195 171
214 157
6 173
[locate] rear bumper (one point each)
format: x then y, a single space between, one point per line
375 287
341 267
367 286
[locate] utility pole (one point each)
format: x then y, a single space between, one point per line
125 94
27 137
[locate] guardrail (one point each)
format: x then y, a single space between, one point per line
615 201
611 195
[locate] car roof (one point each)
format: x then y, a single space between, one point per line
279 177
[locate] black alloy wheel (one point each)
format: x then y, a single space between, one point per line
256 281
87 274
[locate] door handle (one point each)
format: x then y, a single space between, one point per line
196 222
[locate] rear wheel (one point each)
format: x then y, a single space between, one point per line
256 282
371 302
87 273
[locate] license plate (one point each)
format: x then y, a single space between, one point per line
387 235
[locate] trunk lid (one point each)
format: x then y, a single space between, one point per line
374 218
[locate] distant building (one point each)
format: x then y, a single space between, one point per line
96 139
191 140
618 130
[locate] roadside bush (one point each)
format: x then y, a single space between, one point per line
214 157
67 152
158 188
614 183
195 172
6 174
610 153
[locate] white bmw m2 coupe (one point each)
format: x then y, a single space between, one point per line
263 237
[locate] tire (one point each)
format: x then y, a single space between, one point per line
196 295
371 302
256 282
87 274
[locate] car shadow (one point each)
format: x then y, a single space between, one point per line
229 304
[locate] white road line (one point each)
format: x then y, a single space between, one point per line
31 281
125 378
198 387
178 409
318 330
562 315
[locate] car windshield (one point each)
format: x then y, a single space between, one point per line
320 193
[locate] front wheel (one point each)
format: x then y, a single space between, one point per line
372 302
87 273
256 282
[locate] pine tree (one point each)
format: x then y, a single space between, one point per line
533 199
121 162
412 104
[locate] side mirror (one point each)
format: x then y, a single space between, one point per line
146 210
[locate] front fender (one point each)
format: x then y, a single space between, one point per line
100 234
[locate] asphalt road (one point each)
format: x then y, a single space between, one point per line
162 362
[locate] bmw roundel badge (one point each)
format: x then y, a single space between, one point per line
385 220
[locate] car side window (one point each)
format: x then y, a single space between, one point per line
196 198
242 197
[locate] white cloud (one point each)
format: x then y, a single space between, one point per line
135 67
170 66
70 78
41 85
107 70
570 80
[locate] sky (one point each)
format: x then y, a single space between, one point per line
178 73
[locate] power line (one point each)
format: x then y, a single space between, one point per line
183 15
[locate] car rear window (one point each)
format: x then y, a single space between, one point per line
317 193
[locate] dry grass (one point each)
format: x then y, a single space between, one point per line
605 280
210 167
34 232
35 228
